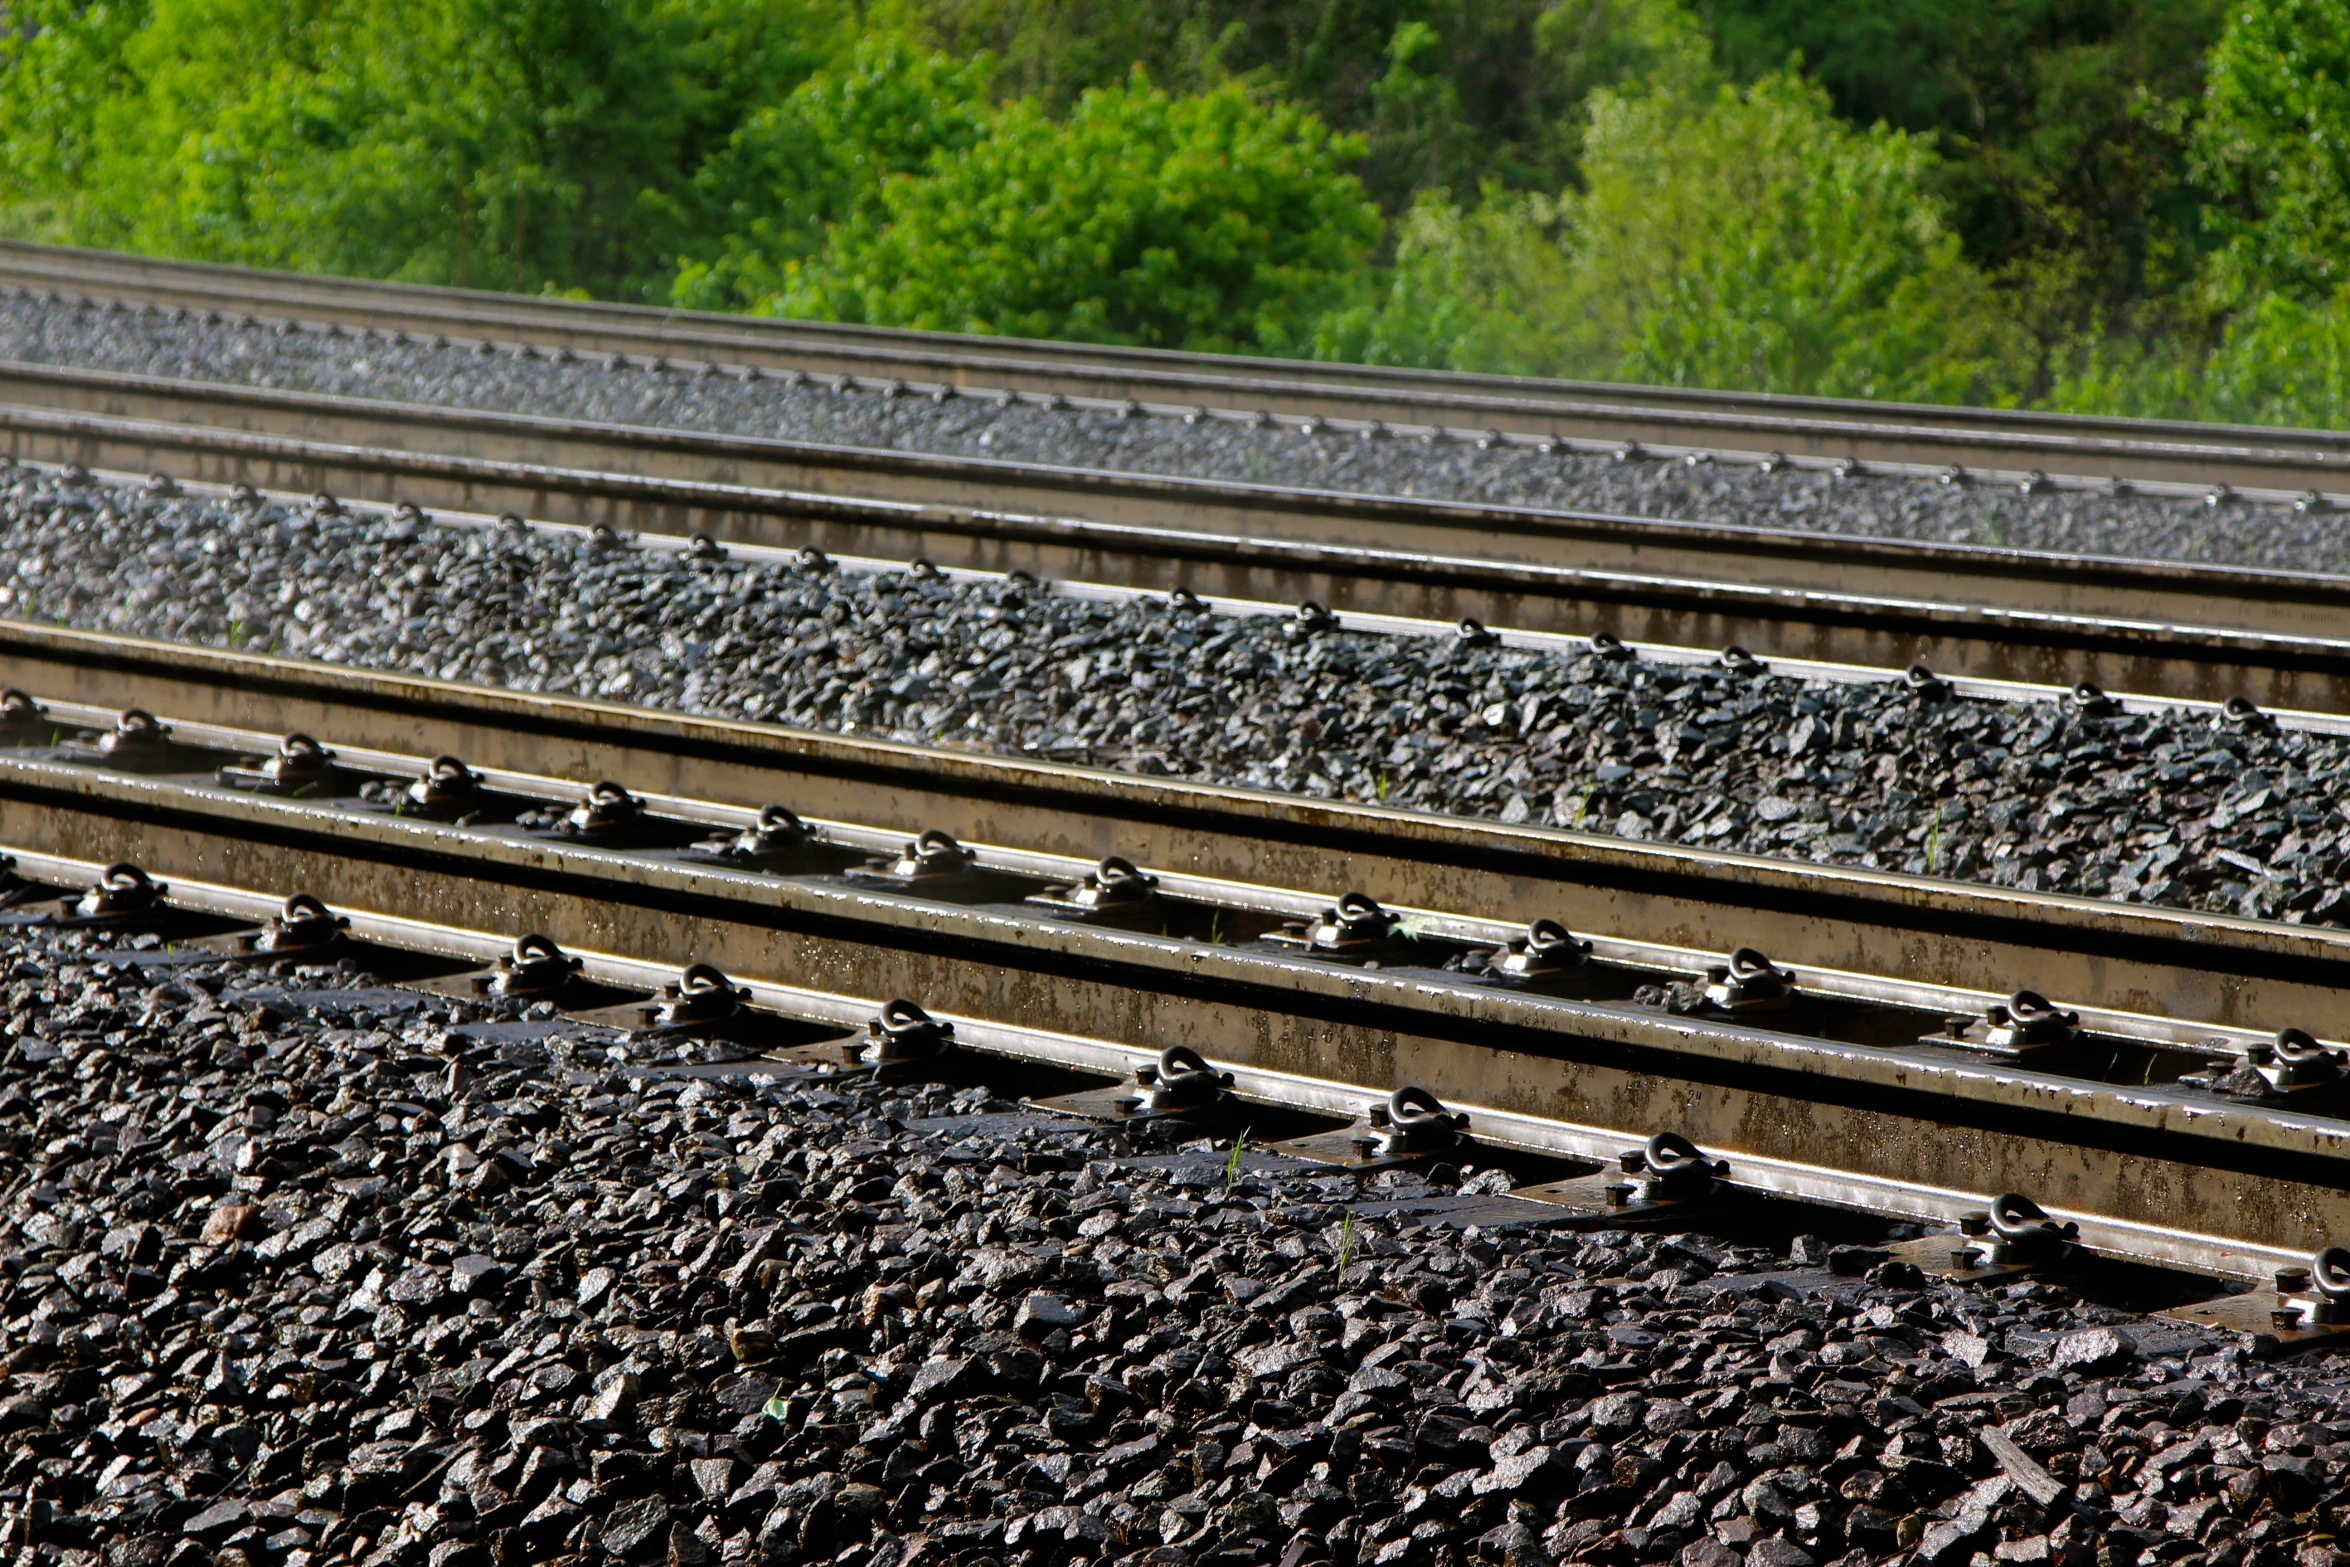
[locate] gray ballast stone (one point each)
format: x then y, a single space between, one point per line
186 1371
1738 492
2184 811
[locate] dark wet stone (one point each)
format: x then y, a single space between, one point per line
745 1381
635 1531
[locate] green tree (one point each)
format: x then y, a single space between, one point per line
1205 222
2062 125
60 62
2274 145
1763 244
2280 359
1443 92
1477 288
506 143
795 170
1745 238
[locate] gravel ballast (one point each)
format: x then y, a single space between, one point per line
2065 520
2154 808
295 1273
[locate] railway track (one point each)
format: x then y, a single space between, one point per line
1993 445
571 1273
733 918
1861 1093
2197 634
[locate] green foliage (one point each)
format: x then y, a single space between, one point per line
1453 93
2130 205
1477 288
59 64
1762 243
1743 238
1207 222
2062 126
501 142
2274 143
2281 360
796 170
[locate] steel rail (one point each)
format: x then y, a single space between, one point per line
1991 651
2000 444
2151 971
1155 560
1807 1180
2195 633
2138 1158
1652 960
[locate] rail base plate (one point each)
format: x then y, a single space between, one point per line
1120 1104
1608 1196
1349 1148
2251 1313
1939 1257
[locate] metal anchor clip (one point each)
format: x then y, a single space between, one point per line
303 924
2294 1060
2017 1232
1671 1168
122 891
1548 947
446 782
136 732
1356 923
930 857
1116 883
447 788
903 1032
1472 632
702 995
2317 1296
778 832
300 762
1181 1082
2238 713
1737 661
1924 685
1607 645
2090 701
605 809
536 967
19 711
1312 617
1749 983
1413 1122
2025 1021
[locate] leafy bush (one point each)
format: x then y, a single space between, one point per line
798 169
2274 143
502 143
1208 222
1738 239
1762 243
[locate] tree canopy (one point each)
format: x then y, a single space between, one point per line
2138 205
